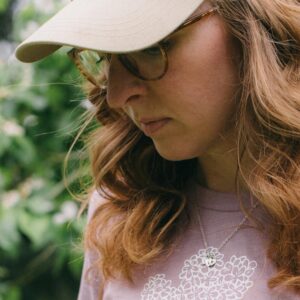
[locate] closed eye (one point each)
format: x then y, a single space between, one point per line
152 51
155 50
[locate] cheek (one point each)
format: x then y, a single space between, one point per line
206 91
204 101
214 80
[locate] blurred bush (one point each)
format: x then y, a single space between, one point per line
40 253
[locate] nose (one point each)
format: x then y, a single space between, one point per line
122 86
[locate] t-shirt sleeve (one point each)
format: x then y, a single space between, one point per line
88 289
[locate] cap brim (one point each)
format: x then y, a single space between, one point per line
107 25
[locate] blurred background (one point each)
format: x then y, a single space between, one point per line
40 106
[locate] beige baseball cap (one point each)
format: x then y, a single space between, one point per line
107 25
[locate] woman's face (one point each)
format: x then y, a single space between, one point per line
197 94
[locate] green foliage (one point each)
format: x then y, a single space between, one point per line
4 5
40 244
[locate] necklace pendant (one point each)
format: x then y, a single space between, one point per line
210 259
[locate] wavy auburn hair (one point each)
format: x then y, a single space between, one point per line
145 207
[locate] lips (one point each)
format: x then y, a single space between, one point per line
150 120
150 126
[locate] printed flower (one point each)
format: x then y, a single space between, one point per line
210 279
191 268
213 293
238 269
158 287
199 282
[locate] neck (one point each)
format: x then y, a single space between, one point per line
217 168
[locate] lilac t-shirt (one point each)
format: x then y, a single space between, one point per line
241 271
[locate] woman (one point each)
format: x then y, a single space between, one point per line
196 190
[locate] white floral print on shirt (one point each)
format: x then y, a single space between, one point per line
226 280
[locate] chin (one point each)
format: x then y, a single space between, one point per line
171 154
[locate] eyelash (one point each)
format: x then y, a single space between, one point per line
166 44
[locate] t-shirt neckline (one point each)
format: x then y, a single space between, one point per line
216 200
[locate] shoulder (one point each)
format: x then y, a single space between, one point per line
91 276
95 200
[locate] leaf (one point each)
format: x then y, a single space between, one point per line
3 272
36 228
75 262
9 292
23 150
10 236
60 259
40 205
5 143
4 5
